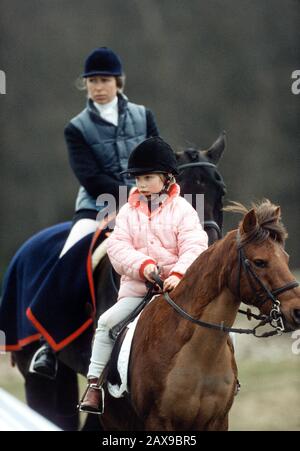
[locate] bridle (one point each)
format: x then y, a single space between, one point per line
208 224
275 315
274 318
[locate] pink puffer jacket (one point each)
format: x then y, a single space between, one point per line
170 237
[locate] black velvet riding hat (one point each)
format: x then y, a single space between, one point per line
102 61
153 155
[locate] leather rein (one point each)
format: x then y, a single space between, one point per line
274 318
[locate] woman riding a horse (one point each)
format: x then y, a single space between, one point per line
99 142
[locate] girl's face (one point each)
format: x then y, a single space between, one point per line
148 184
101 89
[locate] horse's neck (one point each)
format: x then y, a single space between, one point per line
205 293
208 351
222 311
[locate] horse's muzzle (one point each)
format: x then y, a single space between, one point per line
296 316
291 320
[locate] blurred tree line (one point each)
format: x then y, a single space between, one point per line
200 66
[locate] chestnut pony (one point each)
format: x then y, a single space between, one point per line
182 374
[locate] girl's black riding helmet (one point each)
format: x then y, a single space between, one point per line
153 155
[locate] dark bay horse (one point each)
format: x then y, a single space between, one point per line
57 399
182 374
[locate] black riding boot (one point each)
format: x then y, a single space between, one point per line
44 362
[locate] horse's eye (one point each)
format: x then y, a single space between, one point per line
260 263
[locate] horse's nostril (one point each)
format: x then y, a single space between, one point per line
297 315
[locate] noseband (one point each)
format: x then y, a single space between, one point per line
275 316
209 224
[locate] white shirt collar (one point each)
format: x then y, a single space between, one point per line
109 111
106 106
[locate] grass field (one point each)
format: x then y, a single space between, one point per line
269 398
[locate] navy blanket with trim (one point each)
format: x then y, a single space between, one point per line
45 295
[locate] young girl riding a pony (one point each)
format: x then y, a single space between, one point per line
156 228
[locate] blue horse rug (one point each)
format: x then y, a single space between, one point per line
47 296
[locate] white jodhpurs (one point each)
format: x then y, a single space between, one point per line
79 230
103 344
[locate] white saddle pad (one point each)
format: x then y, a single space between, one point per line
123 359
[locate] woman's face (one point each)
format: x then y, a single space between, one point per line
148 184
101 89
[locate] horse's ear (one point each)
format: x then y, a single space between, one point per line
249 221
215 152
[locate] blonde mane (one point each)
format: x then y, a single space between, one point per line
269 224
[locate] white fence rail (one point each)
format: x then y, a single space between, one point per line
16 416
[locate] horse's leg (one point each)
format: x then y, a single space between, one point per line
224 424
41 396
67 416
39 391
220 424
119 415
155 423
54 399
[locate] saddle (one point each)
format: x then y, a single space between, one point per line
117 383
118 328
